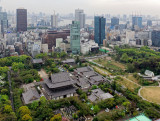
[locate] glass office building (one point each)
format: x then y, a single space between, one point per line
99 29
75 37
114 21
155 38
136 20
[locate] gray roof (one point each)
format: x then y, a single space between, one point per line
83 83
90 73
69 61
30 96
83 69
37 61
95 80
98 94
59 93
92 98
60 80
106 96
60 77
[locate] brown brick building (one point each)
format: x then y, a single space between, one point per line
50 37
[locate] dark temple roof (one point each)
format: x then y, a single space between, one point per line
60 80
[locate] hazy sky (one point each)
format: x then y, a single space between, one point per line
90 7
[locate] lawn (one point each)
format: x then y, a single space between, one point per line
111 64
131 77
128 84
101 71
152 94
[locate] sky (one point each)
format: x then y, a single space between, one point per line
91 7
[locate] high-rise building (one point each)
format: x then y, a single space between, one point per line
155 37
21 20
149 22
136 21
0 9
75 37
3 21
54 21
114 21
99 29
124 18
80 16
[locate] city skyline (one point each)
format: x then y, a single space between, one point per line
90 7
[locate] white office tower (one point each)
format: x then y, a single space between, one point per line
54 21
80 16
130 36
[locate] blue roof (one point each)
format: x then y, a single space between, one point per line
140 118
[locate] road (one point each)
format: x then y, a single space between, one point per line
10 89
95 57
43 74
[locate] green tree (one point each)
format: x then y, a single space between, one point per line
96 109
55 70
127 105
124 58
63 55
7 109
130 68
23 110
35 105
57 117
17 66
43 100
4 92
77 59
26 117
94 87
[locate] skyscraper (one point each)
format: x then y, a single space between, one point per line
75 37
155 37
149 22
80 16
21 20
3 21
99 29
136 21
114 21
54 21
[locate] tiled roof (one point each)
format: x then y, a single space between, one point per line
30 96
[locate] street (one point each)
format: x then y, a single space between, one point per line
10 89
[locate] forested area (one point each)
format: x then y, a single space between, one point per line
139 59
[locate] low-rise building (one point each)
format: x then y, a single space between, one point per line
98 95
149 73
30 96
69 61
87 72
59 86
89 46
141 117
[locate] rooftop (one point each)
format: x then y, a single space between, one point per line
140 118
61 79
69 61
83 83
37 61
90 73
30 96
83 69
59 93
98 94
